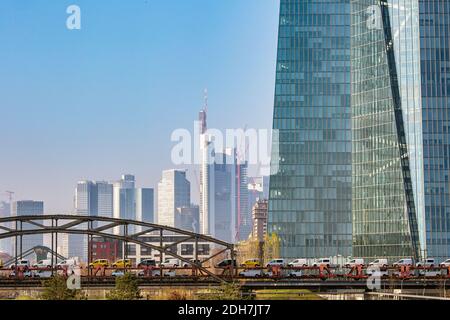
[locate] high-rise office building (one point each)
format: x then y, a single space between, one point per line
310 183
243 213
259 216
86 198
63 244
224 210
258 189
28 208
85 205
104 199
207 185
124 201
435 86
133 204
174 191
255 191
5 212
145 205
95 199
225 187
187 218
400 115
124 198
121 200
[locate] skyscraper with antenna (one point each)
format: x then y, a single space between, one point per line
207 223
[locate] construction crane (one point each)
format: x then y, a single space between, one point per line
10 195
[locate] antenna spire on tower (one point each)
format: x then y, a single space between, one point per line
203 114
205 108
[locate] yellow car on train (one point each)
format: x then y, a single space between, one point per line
251 263
122 263
99 263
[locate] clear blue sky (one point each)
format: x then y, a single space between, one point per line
101 101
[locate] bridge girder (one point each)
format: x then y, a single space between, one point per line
12 227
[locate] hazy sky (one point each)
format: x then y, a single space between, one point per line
101 101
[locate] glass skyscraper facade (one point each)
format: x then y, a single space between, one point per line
28 208
174 191
435 78
94 199
310 184
400 85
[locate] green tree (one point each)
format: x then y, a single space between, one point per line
272 246
252 248
55 288
127 288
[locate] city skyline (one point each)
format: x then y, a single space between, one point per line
93 122
377 162
227 150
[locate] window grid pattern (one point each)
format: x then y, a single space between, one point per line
381 225
435 69
310 185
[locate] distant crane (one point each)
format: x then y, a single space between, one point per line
10 195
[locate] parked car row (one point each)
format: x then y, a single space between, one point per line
42 264
126 263
425 263
101 263
142 273
32 274
255 263
378 263
247 264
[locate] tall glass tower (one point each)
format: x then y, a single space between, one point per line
435 78
400 104
310 184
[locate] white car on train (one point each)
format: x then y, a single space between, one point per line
277 263
251 273
296 273
22 263
25 274
354 262
322 262
298 263
67 263
43 274
170 263
157 273
404 262
445 264
46 263
379 263
427 263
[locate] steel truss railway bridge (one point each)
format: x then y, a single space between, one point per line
126 231
131 232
